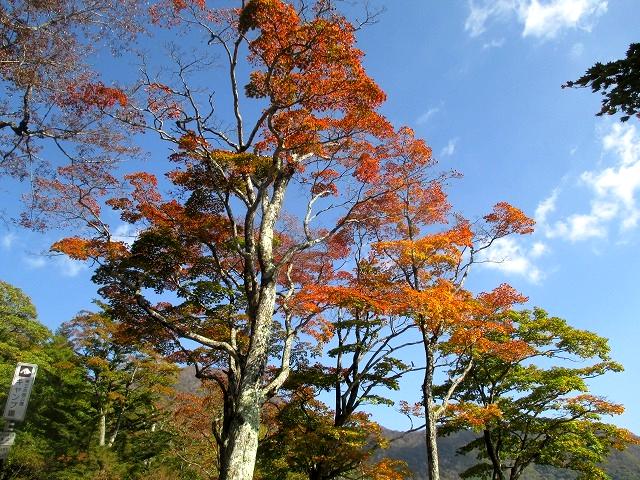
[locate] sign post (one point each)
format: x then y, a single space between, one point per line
16 406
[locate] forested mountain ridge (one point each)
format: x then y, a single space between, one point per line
410 447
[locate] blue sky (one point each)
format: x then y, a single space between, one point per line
480 81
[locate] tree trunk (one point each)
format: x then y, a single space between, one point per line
239 457
431 430
493 456
102 428
241 442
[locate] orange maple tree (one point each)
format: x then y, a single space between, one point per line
217 255
216 274
412 258
426 253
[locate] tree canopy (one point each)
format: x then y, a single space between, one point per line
619 82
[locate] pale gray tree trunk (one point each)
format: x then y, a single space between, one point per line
241 444
102 428
431 430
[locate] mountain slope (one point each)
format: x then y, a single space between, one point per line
411 448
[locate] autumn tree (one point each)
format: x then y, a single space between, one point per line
192 446
366 334
216 250
302 441
619 82
426 254
532 412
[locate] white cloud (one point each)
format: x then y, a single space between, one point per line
613 192
8 240
35 262
496 43
546 20
538 249
509 256
424 118
450 148
125 233
480 14
577 227
547 206
69 267
539 19
63 264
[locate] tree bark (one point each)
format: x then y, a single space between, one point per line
493 456
241 442
431 430
239 457
102 428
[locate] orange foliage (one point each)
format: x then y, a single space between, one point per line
473 416
81 249
506 219
502 298
95 95
594 404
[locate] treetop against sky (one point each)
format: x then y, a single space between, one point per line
480 81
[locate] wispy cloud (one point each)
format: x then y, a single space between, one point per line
63 264
35 262
495 43
449 148
538 19
69 267
8 240
545 207
424 118
510 256
481 12
613 201
125 233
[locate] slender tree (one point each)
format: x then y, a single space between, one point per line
427 263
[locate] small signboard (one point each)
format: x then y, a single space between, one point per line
21 386
6 440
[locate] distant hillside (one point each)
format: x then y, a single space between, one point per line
410 448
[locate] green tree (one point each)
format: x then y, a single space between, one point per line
55 429
532 412
22 337
619 82
127 383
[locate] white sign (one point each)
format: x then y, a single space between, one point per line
21 386
6 440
